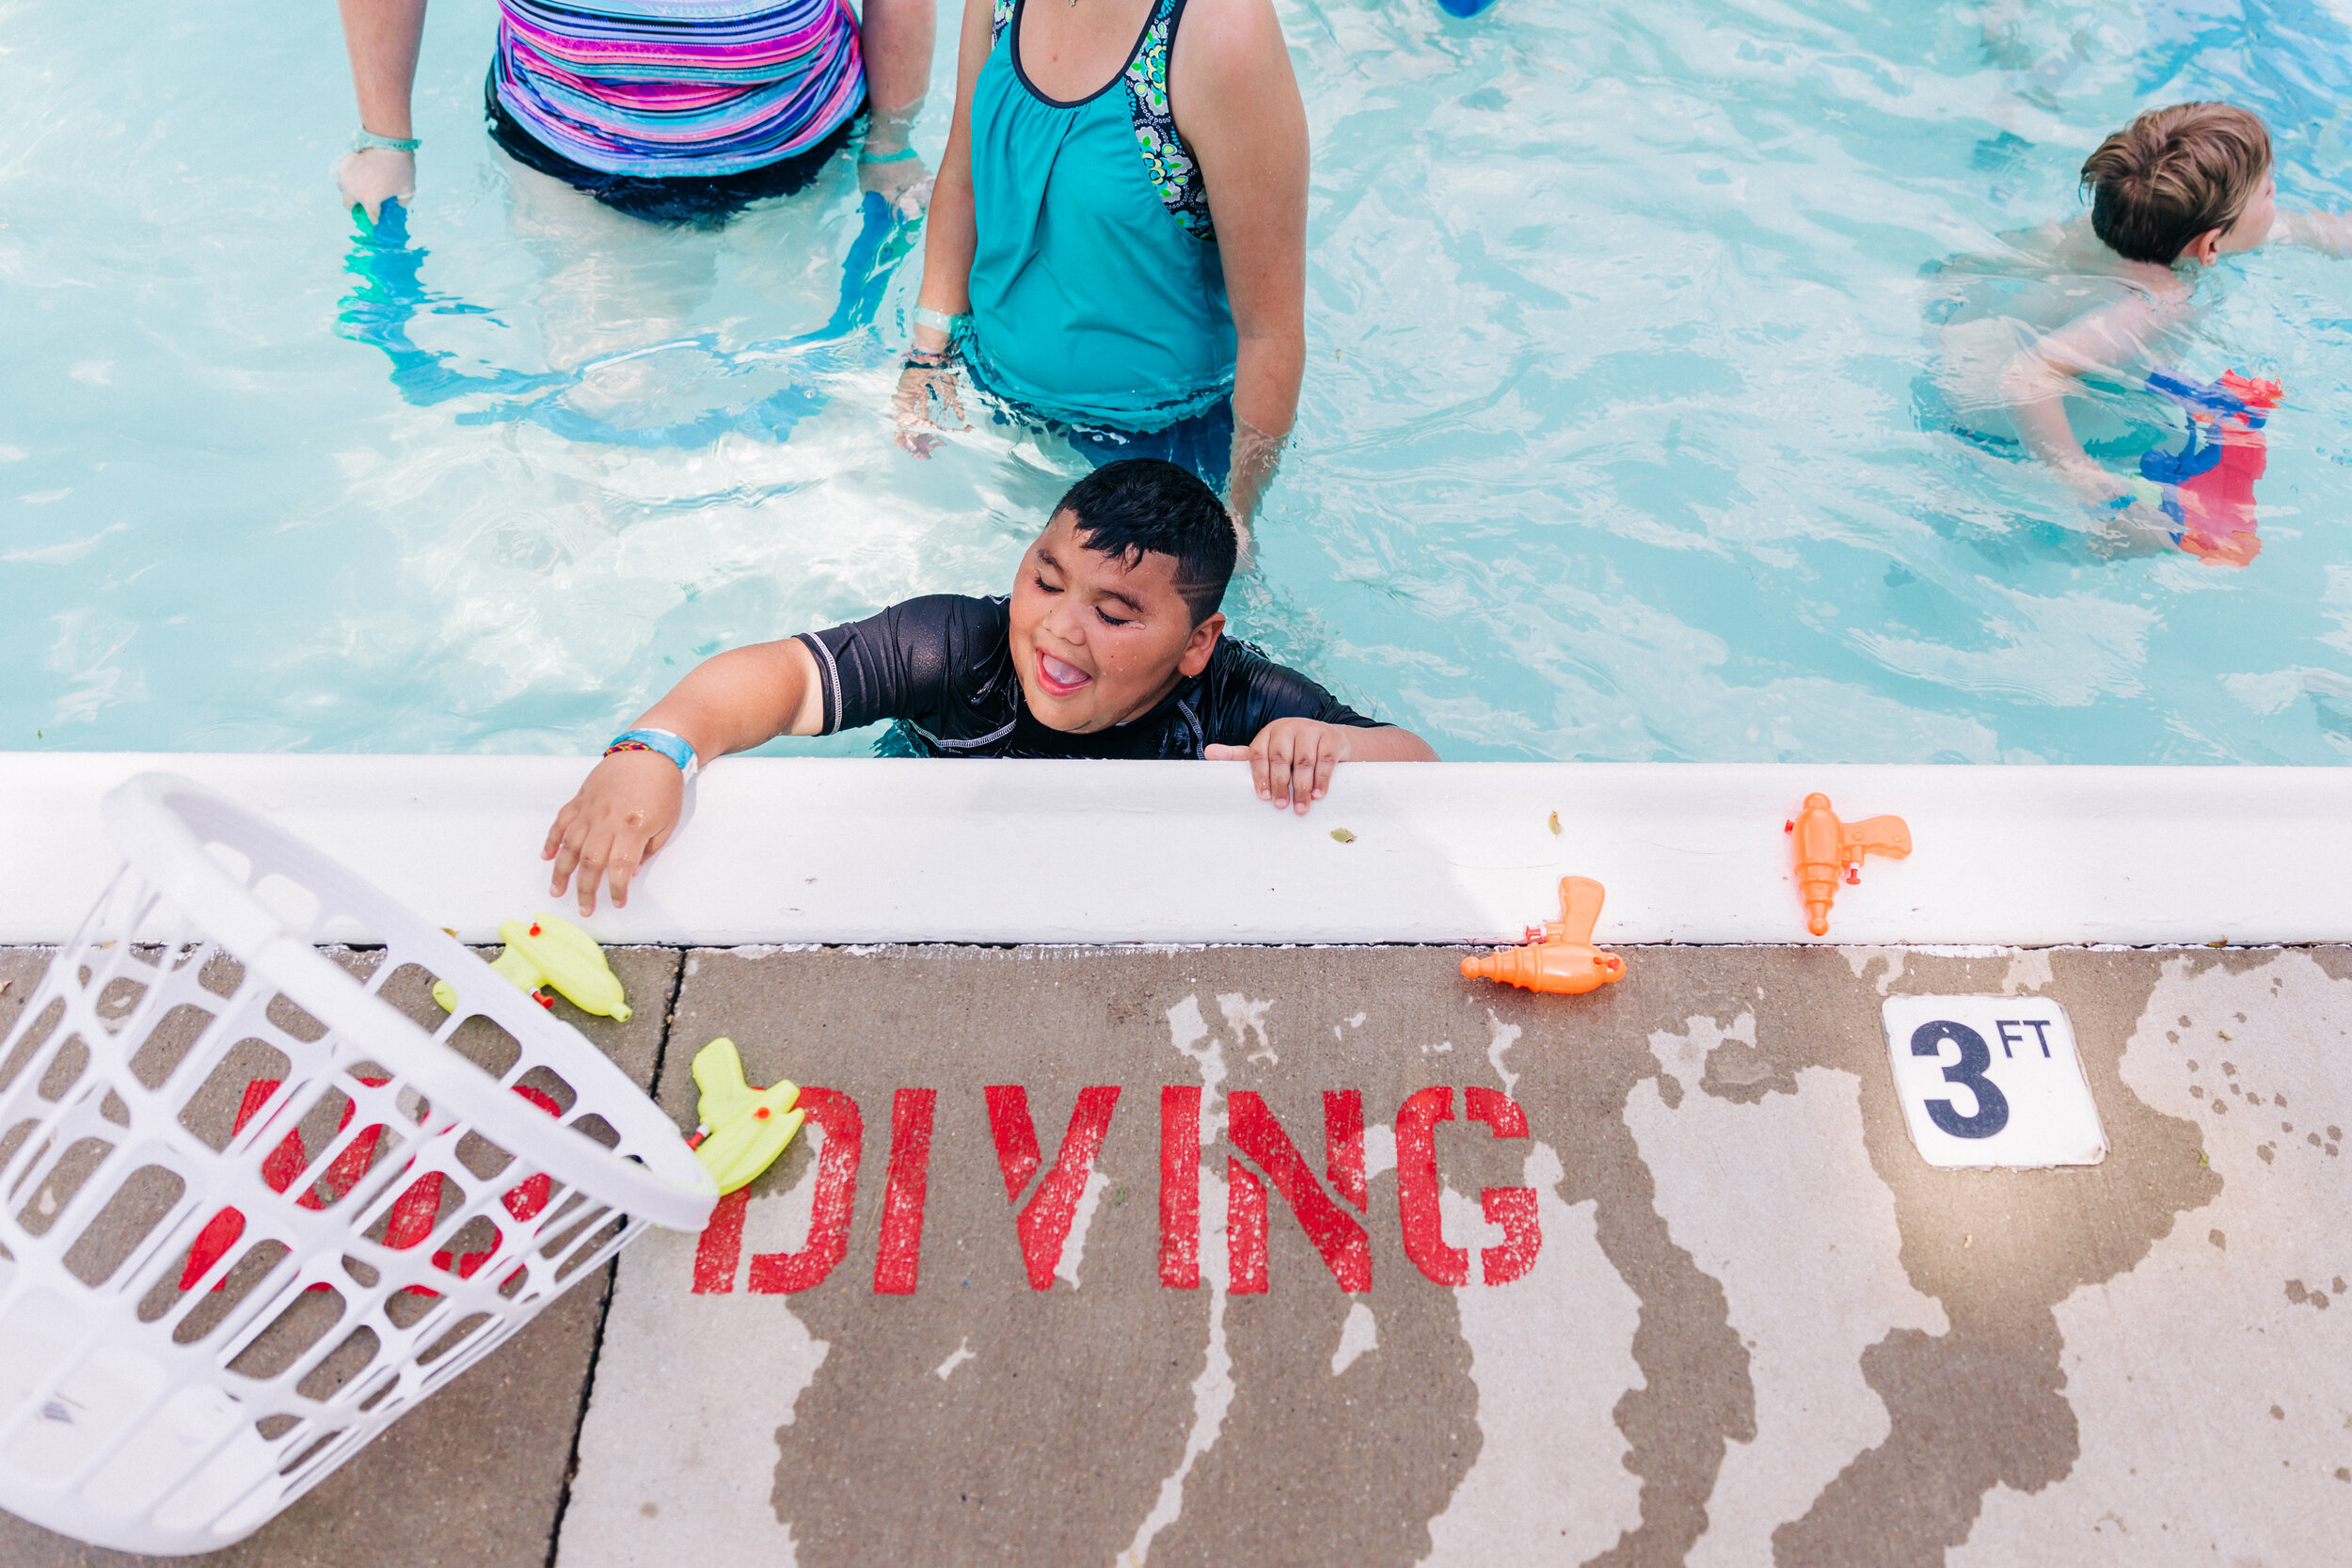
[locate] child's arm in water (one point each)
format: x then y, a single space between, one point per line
1292 759
2331 232
628 805
2112 343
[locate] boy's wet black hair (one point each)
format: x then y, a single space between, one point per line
1141 505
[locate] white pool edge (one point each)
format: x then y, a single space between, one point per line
877 850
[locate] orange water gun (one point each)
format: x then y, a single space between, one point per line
1559 956
1826 845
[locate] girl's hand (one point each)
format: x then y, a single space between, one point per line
1292 759
910 407
624 811
903 184
375 175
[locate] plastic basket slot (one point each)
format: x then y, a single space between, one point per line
142 1202
354 1354
66 1067
451 1338
544 1088
598 1131
56 1186
314 1449
30 1038
13 1139
483 1043
202 1312
222 1105
598 1246
222 973
283 1012
282 1342
118 1000
409 985
168 1043
385 1387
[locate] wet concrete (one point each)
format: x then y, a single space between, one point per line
1733 1317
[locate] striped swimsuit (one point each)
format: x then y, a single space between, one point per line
669 89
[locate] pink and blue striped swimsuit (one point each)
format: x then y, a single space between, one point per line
658 88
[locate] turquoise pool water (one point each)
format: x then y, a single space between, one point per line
1619 437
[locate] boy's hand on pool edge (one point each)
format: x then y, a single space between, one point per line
625 811
1291 760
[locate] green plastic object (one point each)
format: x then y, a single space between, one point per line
544 951
744 1130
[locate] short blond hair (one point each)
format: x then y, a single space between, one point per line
2172 174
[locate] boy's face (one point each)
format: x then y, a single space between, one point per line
2253 225
1098 641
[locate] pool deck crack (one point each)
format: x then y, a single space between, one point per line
612 1282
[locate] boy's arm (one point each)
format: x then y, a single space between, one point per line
2107 343
2328 231
1291 761
629 803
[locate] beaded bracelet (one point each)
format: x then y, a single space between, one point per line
929 358
662 743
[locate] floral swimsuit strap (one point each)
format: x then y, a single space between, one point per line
1166 161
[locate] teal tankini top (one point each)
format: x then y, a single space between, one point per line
1098 295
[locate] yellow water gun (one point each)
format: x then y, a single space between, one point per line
744 1130
544 951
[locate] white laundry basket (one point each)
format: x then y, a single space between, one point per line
250 1211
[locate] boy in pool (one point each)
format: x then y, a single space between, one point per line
2180 186
1109 645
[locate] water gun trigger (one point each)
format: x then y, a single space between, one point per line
1877 836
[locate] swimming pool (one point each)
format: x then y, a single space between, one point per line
1613 445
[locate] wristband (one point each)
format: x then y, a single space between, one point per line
662 743
940 321
899 157
368 140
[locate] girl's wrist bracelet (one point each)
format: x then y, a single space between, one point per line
900 156
663 742
367 141
940 321
929 358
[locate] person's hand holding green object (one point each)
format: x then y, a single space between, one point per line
368 176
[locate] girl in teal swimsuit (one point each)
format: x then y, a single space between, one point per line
1117 235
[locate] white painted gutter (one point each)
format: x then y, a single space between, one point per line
854 850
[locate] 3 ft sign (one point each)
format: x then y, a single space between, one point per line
1992 1081
1263 1162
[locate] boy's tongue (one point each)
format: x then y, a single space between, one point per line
1059 679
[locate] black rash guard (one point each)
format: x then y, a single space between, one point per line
943 666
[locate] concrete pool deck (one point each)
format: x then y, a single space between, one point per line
1751 1324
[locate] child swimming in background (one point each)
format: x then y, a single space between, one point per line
2106 301
1110 646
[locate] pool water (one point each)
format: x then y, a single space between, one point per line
1621 436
